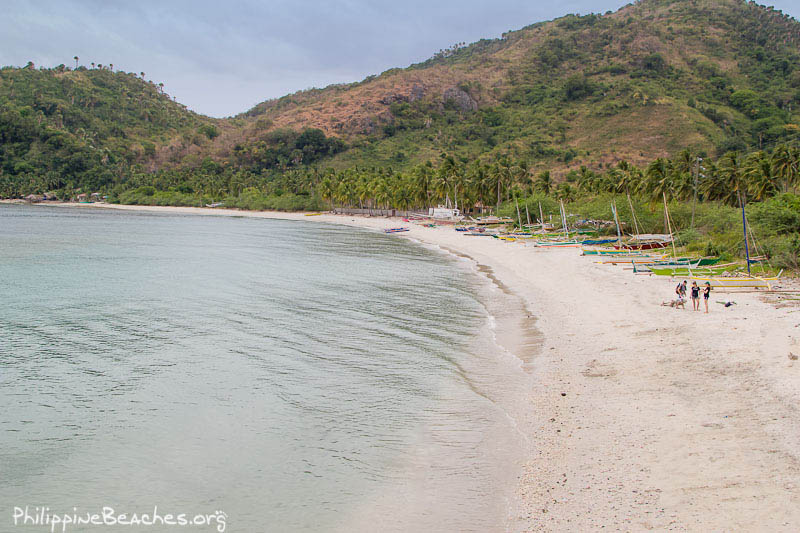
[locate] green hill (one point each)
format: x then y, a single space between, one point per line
63 128
588 91
644 82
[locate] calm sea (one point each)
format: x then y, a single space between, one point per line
295 376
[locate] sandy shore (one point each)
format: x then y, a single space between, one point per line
642 417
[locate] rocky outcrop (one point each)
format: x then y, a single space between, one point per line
462 100
416 93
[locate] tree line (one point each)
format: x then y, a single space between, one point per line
750 176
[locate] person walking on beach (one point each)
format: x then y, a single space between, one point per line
695 297
706 294
680 290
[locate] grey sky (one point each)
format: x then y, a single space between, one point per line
222 57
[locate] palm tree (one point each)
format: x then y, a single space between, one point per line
422 183
446 176
685 161
565 192
731 175
383 193
761 182
659 178
326 190
364 191
521 172
544 182
480 182
402 193
786 165
587 180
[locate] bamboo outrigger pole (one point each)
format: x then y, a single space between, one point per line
616 221
744 228
669 225
541 216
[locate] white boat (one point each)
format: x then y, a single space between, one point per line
445 213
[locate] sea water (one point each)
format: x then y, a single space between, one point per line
262 375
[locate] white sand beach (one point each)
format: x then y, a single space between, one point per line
642 416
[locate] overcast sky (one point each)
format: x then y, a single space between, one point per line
222 57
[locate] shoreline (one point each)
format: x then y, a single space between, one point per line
641 416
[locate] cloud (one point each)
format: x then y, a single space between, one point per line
220 58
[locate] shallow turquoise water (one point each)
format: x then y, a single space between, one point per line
295 375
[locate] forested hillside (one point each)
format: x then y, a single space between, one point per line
72 128
575 95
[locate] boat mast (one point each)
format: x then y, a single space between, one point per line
616 221
541 216
633 216
669 225
744 228
564 218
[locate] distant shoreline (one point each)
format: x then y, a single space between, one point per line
641 416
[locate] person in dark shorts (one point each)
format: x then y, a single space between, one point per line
706 294
695 297
680 290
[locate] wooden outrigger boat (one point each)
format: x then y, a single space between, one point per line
611 252
557 244
646 242
691 270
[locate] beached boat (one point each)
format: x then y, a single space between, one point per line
611 252
597 242
557 244
490 220
650 241
692 270
395 230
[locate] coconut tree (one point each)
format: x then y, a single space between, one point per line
587 180
565 192
326 190
383 193
402 193
544 182
731 174
659 176
446 177
786 165
759 177
422 176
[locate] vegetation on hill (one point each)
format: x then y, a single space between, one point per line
85 128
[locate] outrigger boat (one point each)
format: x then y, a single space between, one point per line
395 230
557 244
651 241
